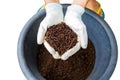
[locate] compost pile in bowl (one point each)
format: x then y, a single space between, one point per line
77 67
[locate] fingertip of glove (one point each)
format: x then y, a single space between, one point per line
84 46
38 40
39 43
63 58
56 55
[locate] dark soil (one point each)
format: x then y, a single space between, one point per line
77 67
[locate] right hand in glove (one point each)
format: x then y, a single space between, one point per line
73 19
54 16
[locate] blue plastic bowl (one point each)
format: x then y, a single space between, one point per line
99 33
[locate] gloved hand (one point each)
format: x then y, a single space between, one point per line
54 15
72 18
74 21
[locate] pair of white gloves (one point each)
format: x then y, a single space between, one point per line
54 16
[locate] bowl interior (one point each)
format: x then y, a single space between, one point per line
98 31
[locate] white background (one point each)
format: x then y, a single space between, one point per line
15 13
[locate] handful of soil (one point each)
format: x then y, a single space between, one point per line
61 37
77 67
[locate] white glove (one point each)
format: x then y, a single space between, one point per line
74 21
54 16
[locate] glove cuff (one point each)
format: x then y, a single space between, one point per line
53 7
76 9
